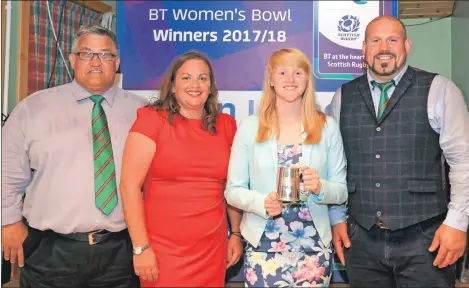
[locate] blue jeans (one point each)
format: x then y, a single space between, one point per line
384 258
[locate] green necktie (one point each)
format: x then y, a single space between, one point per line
105 187
383 99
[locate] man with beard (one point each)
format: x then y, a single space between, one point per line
396 121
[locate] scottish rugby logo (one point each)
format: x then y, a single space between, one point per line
348 28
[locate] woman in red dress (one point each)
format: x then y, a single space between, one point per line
178 150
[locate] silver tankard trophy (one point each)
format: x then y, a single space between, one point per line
288 186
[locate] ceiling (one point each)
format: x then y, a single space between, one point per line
425 9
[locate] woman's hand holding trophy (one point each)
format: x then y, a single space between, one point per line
311 182
289 187
272 204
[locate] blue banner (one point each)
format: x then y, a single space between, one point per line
239 37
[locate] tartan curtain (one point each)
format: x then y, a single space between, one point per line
42 48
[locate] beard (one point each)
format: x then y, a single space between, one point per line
387 69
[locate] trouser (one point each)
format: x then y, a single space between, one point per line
77 260
6 271
384 258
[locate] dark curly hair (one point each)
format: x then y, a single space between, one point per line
167 101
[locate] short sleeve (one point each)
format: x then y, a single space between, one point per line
148 122
230 127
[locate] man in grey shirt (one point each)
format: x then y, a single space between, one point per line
62 218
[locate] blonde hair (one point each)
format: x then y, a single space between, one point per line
313 121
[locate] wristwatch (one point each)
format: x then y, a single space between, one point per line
139 249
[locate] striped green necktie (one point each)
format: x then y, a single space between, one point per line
383 99
105 187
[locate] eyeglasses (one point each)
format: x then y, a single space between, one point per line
103 56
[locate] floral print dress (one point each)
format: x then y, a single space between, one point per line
290 252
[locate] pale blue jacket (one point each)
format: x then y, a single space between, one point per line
252 174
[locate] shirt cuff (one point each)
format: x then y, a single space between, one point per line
11 215
318 197
457 220
337 214
259 208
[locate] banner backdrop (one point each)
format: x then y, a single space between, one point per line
239 37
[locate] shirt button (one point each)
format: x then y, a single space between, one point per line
378 129
378 156
378 184
378 213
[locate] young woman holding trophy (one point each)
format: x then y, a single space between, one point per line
289 146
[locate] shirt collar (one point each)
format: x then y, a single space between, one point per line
396 78
81 93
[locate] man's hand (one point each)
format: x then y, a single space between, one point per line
13 236
235 250
452 243
339 237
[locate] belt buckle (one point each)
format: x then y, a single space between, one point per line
91 239
381 225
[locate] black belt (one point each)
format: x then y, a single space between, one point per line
94 237
424 224
381 225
